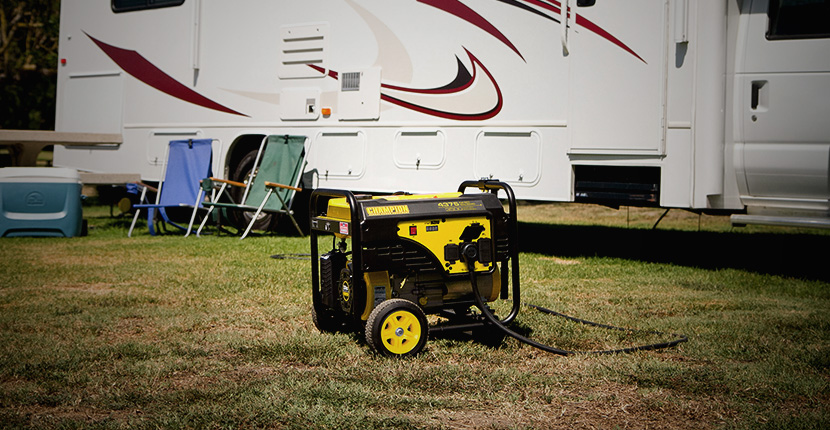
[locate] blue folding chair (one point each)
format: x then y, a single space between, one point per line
187 162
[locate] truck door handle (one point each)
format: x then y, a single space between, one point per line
759 96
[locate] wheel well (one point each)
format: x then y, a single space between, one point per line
239 148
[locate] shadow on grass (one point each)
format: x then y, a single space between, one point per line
800 256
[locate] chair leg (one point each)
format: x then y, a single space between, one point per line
135 218
204 221
193 215
151 219
214 197
290 214
299 230
258 211
141 199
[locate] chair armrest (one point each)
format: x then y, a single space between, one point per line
149 187
276 185
225 181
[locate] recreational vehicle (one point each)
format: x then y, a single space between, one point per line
705 105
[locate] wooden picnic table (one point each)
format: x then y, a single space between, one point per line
25 145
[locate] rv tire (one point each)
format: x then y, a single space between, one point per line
239 219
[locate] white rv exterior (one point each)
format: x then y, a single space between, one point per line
699 104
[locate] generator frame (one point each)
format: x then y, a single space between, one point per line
397 316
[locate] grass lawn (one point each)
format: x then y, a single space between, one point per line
105 331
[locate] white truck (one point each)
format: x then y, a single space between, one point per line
707 105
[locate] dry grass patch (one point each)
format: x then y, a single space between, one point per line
167 332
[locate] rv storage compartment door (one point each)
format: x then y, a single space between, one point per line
618 81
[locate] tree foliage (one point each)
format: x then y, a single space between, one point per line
28 63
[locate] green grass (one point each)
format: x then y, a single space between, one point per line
106 331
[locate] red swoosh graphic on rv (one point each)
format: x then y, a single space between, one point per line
581 20
556 7
466 92
464 12
461 99
142 69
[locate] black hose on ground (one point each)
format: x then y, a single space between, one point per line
470 261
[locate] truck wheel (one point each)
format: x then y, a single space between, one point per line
397 328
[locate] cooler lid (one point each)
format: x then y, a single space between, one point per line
39 174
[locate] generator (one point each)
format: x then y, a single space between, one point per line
395 259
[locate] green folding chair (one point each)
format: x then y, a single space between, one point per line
279 165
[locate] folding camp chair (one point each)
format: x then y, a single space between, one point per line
278 174
187 161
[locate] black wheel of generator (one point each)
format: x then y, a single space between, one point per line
397 328
346 290
326 320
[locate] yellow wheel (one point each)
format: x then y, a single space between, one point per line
400 332
397 328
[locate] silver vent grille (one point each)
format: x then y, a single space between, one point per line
350 81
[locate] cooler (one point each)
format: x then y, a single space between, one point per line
40 201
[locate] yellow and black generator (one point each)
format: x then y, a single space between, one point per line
395 259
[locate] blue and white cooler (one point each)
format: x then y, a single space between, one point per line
40 201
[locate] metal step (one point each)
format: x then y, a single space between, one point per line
786 221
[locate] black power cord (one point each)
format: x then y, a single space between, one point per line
470 253
679 338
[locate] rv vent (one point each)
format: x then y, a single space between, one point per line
350 81
617 185
303 51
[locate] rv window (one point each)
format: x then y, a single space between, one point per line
131 5
798 19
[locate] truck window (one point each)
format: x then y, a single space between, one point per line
131 5
798 19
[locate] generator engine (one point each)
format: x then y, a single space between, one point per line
395 259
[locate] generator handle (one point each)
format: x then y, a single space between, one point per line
355 233
494 186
